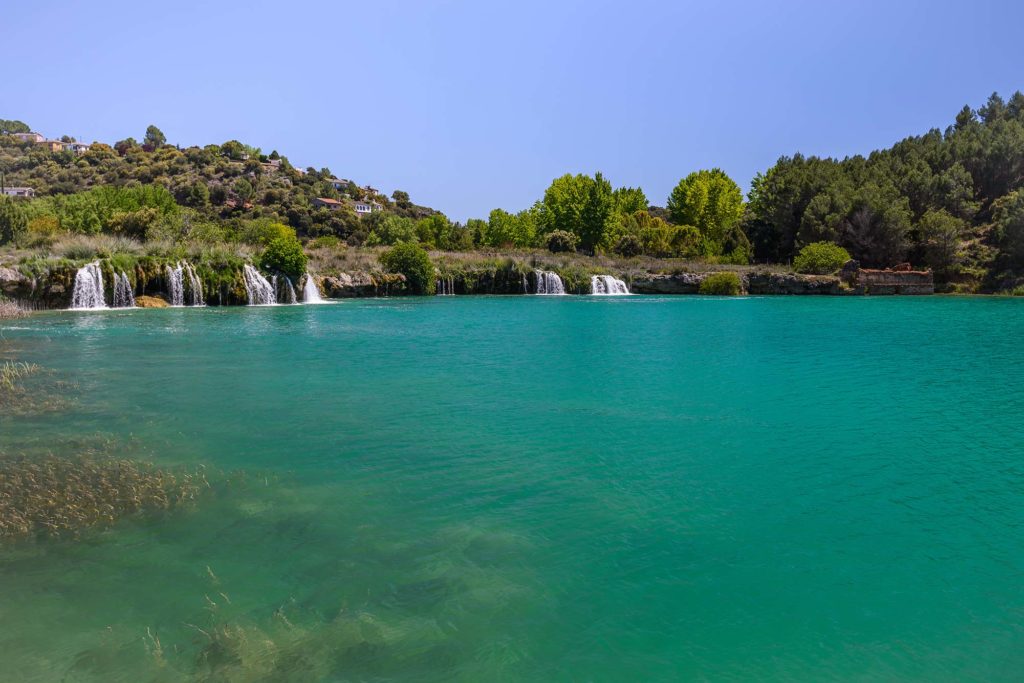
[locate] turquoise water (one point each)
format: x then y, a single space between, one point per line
538 489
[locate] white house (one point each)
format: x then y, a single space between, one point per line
364 207
30 137
19 192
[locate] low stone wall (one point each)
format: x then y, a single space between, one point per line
895 282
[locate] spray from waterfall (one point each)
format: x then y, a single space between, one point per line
88 291
310 293
606 285
123 295
258 291
549 283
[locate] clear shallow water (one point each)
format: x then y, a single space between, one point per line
537 488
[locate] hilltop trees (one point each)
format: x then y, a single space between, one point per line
154 139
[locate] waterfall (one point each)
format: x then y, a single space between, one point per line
195 286
284 290
183 282
526 288
606 285
446 286
88 292
258 291
123 296
310 293
175 285
549 283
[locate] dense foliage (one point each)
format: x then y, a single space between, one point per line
412 261
284 255
949 200
820 258
722 284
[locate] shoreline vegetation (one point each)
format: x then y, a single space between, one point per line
943 212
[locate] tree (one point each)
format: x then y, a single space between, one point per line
581 205
13 126
875 230
390 229
942 235
13 221
243 188
413 262
820 258
510 230
710 201
1008 220
629 200
154 138
562 241
402 200
284 255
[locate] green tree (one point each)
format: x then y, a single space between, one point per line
243 188
13 221
721 284
284 255
1008 221
941 235
391 229
581 205
413 262
629 200
154 138
710 201
820 258
562 241
13 126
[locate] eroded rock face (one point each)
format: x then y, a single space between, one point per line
360 284
790 283
14 284
680 283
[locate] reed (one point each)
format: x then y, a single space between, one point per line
58 496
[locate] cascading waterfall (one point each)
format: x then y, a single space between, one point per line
194 291
446 286
182 283
310 292
549 283
287 292
606 285
258 291
526 287
88 291
123 295
175 285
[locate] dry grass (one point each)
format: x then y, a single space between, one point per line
12 373
9 310
53 496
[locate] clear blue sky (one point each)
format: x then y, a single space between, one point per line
474 105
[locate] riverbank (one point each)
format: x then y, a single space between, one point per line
224 277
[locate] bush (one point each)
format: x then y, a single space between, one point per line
284 255
13 221
820 258
562 240
413 262
723 284
628 246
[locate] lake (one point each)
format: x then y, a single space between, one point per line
536 489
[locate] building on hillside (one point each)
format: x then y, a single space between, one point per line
53 145
364 207
76 147
339 183
371 191
328 203
30 137
19 192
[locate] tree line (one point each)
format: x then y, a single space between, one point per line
951 200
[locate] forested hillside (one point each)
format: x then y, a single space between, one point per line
951 200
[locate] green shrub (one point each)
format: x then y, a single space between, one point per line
412 261
284 255
562 240
820 258
13 221
723 284
628 246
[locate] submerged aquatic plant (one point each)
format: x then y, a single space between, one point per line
25 389
55 496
